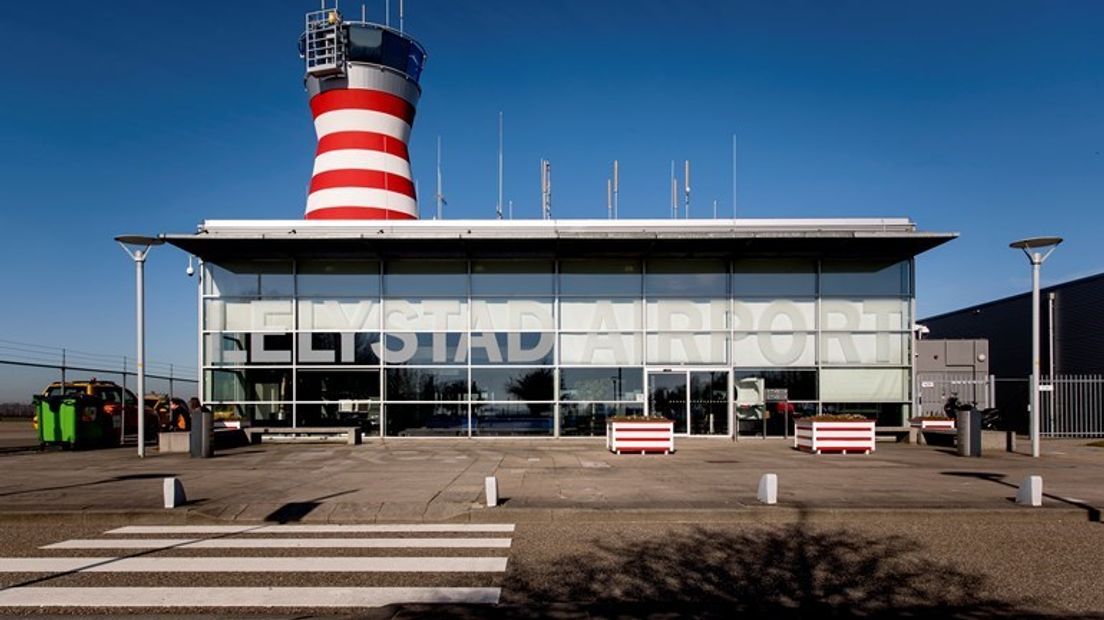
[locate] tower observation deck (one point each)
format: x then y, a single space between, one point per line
362 79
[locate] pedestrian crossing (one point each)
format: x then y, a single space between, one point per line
240 566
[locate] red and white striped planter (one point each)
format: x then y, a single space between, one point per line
933 425
845 436
643 436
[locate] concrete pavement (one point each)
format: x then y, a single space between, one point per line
442 479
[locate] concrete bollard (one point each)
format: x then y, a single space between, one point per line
768 489
1031 491
491 484
173 492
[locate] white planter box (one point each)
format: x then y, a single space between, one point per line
657 436
933 425
847 436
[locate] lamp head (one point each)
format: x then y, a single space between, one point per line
1037 249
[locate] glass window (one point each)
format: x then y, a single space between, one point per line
426 420
362 413
334 385
437 348
338 348
501 419
778 349
249 384
863 384
865 278
601 348
339 278
513 278
871 349
277 279
783 385
600 278
686 278
248 315
263 414
598 384
589 419
513 348
427 384
232 279
687 348
884 414
501 384
365 44
773 278
430 278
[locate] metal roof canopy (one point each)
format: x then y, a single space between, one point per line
223 240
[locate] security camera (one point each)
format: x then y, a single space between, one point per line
190 270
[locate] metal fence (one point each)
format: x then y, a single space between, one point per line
936 387
1071 406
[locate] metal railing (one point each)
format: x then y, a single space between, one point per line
1071 406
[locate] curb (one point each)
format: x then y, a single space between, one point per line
747 514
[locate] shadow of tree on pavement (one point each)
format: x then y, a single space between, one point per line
794 571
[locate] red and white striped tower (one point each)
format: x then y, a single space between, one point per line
363 84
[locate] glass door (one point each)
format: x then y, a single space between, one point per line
708 402
697 400
667 397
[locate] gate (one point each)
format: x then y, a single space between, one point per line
936 387
1071 406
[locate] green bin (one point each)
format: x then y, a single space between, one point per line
73 421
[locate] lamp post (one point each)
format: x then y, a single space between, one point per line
1037 250
138 247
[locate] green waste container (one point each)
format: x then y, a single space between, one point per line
73 421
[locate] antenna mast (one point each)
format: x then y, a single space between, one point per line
498 205
546 189
609 198
615 184
674 192
733 176
387 10
440 194
686 177
401 15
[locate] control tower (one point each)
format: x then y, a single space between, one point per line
362 79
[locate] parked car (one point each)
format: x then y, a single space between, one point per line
115 401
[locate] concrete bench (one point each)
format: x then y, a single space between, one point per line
899 433
352 433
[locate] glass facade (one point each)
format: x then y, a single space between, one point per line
533 347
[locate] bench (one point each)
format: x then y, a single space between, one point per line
899 433
352 433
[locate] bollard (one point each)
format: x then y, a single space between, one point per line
768 489
1031 491
173 492
201 442
491 484
968 423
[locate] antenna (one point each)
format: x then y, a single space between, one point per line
498 205
363 13
546 189
615 183
674 192
714 208
609 198
401 15
733 176
387 10
440 194
686 177
511 209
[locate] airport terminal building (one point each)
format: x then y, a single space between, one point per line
546 328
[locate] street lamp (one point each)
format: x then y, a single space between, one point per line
1037 250
138 247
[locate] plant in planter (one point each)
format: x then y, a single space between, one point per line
844 433
640 434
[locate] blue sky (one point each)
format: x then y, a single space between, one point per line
985 118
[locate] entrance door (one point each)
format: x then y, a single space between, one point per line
696 400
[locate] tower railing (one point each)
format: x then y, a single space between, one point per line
324 43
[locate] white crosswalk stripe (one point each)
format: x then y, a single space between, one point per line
195 550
